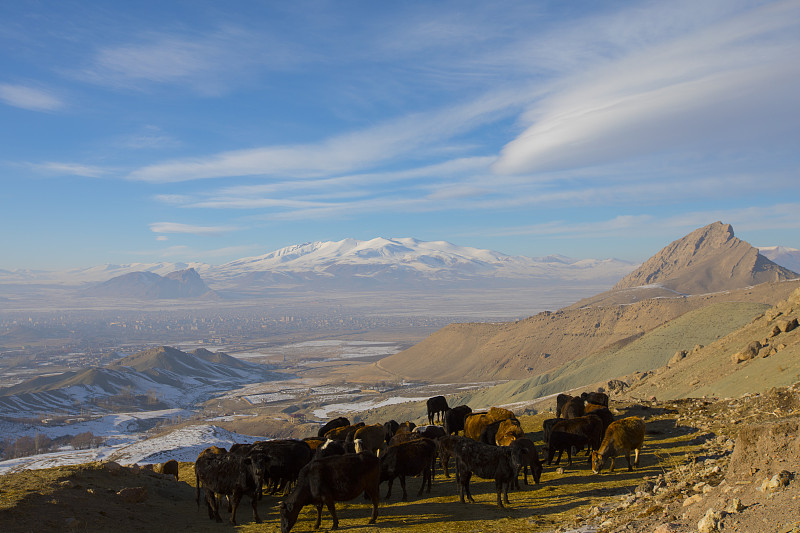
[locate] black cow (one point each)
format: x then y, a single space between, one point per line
561 442
334 447
489 433
573 408
436 406
332 479
335 423
500 463
410 458
430 432
446 446
229 474
389 429
454 419
589 426
530 458
287 457
547 428
597 398
603 413
561 401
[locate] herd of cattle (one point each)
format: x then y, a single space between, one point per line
346 460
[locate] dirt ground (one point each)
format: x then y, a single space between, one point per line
699 454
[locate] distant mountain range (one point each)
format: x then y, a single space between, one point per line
349 264
151 286
164 376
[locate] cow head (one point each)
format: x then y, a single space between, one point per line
289 512
597 462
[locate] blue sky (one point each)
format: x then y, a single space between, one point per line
202 131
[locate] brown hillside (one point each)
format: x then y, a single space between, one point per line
544 342
754 358
707 260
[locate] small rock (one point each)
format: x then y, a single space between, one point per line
669 527
691 500
133 494
735 506
710 522
113 467
560 470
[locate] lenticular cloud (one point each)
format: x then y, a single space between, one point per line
727 83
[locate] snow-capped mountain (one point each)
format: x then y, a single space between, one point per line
785 257
381 263
405 260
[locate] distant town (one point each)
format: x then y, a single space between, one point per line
35 343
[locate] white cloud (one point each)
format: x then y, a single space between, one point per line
71 169
209 63
734 81
176 227
416 134
30 98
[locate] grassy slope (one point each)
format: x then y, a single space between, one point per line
653 350
710 371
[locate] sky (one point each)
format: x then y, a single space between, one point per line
182 131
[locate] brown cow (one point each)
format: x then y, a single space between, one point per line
170 467
371 437
343 432
508 431
476 422
621 436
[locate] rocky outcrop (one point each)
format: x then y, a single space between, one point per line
707 260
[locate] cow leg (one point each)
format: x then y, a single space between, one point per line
613 458
636 458
628 458
389 493
236 497
319 516
465 477
374 494
403 485
444 458
213 508
426 475
254 503
331 504
569 456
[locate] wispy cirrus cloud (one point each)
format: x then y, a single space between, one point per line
747 219
30 98
417 134
72 169
176 227
208 63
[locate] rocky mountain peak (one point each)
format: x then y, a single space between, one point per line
708 259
